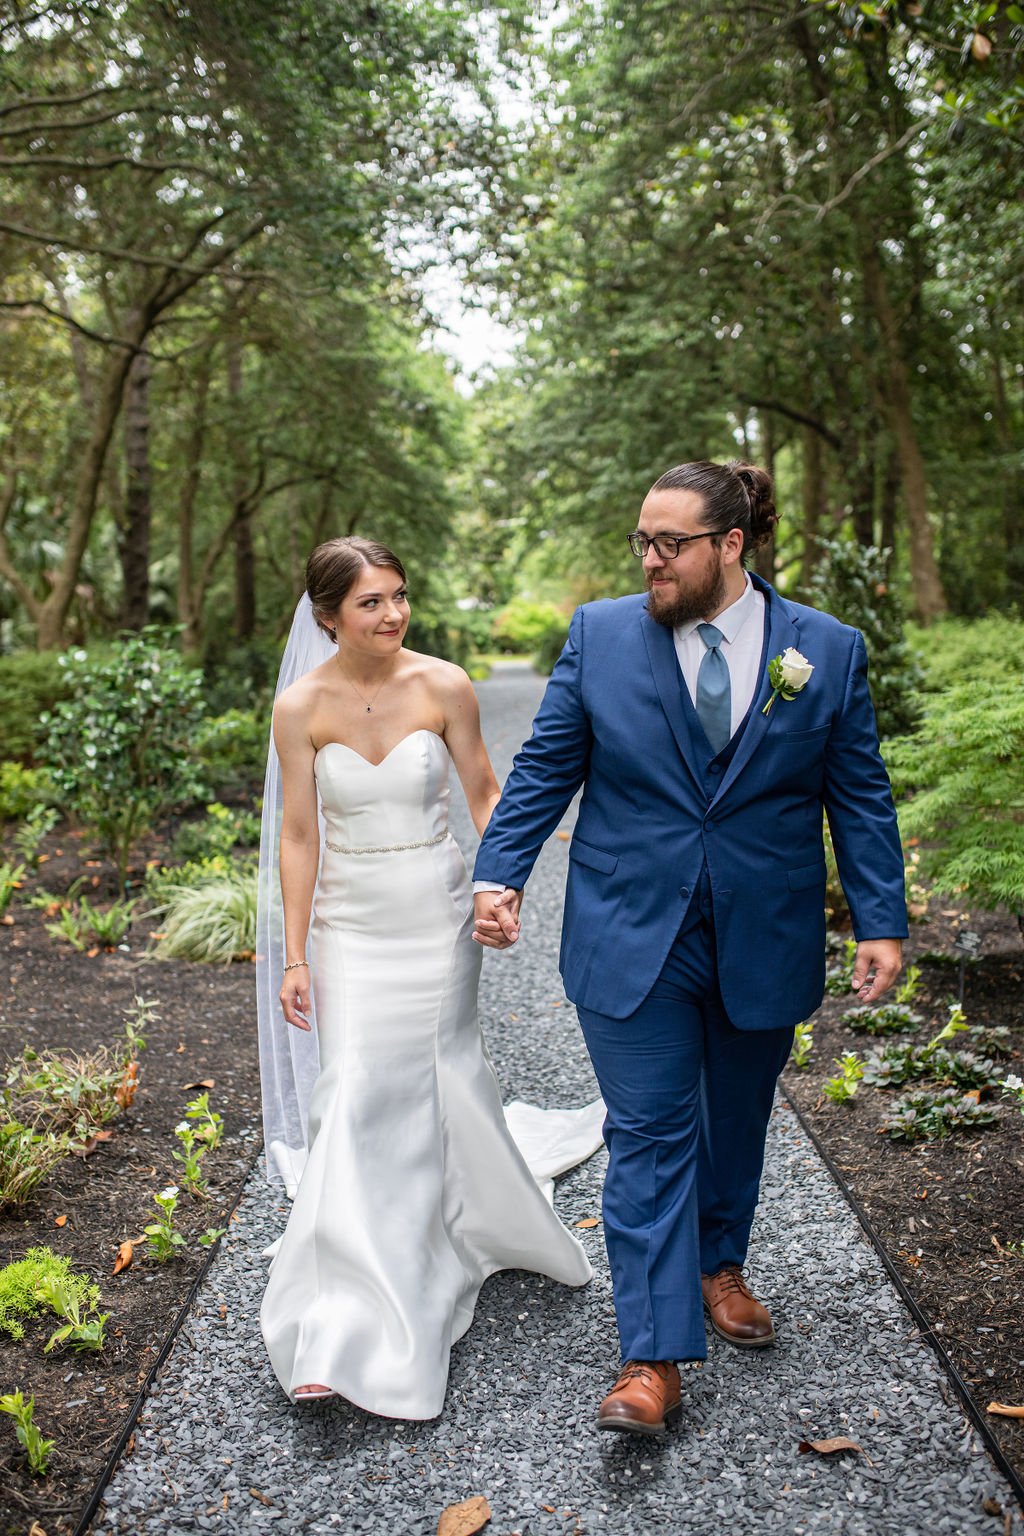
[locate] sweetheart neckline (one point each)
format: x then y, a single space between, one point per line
422 730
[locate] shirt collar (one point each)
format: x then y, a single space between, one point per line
731 620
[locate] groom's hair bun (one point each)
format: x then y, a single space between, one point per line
333 567
735 495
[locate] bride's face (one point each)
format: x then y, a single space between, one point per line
374 614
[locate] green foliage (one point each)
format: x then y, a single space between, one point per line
25 1286
83 925
36 1448
214 920
235 674
209 1124
23 790
26 1156
960 651
1013 1089
928 1116
523 626
30 683
121 749
36 827
82 1331
192 1151
550 648
11 877
839 977
895 1065
220 832
853 583
886 1019
963 768
803 1044
162 1241
163 879
232 749
842 1088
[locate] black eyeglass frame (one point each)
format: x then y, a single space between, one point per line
640 543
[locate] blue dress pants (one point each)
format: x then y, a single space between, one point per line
688 1099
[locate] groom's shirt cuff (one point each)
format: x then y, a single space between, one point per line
487 885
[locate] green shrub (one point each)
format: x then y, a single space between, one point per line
82 925
24 790
238 674
523 626
439 634
852 583
26 1157
966 651
220 831
121 750
163 879
964 768
30 683
550 648
27 1284
233 750
213 921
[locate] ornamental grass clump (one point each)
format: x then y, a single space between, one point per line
27 1155
214 921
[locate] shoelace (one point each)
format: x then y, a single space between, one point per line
636 1368
730 1280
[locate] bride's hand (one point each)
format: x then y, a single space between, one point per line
294 995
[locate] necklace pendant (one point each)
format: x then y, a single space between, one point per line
368 710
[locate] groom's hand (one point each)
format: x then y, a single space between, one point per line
497 917
882 956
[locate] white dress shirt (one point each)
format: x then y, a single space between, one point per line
742 627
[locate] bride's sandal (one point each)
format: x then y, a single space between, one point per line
313 1392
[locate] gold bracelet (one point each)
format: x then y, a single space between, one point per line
296 963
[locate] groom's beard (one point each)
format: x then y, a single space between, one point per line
695 601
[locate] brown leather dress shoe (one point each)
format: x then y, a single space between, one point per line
735 1314
645 1395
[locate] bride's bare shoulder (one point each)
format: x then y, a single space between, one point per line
300 697
440 676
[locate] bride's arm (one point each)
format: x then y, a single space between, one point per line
466 745
300 852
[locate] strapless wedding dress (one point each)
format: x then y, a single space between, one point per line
414 1190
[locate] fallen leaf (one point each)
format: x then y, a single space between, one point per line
35 1529
464 1519
563 837
1006 1410
262 1497
124 1093
125 1254
60 1221
91 954
42 858
548 1509
223 1309
94 863
991 1506
7 920
92 1142
828 1447
205 1082
588 1221
180 1049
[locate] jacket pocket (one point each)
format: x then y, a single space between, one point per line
820 731
809 874
593 858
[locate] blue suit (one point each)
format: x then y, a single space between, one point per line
693 934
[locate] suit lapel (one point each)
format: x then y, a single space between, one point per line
782 633
661 652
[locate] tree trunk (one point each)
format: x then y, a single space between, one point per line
1012 481
133 544
764 558
813 507
929 597
190 607
242 505
889 500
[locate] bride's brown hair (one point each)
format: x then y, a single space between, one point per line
333 567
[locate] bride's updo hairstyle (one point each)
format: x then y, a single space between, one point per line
333 567
735 495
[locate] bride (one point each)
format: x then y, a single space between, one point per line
382 1112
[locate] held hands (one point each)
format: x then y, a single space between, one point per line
882 956
294 996
497 917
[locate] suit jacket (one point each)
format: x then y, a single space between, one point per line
653 816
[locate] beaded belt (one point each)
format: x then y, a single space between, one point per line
427 842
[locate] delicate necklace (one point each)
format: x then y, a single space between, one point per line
368 702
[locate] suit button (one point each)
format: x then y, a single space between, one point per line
684 891
716 767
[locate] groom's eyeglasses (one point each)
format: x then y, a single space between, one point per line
666 545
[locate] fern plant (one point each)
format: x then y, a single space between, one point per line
963 769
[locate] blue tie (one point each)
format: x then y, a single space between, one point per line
714 690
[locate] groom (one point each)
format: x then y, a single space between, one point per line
693 937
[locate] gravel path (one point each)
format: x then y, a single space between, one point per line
219 1449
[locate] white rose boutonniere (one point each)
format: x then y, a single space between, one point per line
788 674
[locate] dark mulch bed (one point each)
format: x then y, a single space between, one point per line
945 1211
56 998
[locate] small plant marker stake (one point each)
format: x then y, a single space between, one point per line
967 943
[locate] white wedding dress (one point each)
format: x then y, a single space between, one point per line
414 1190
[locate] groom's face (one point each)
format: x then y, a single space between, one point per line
693 584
